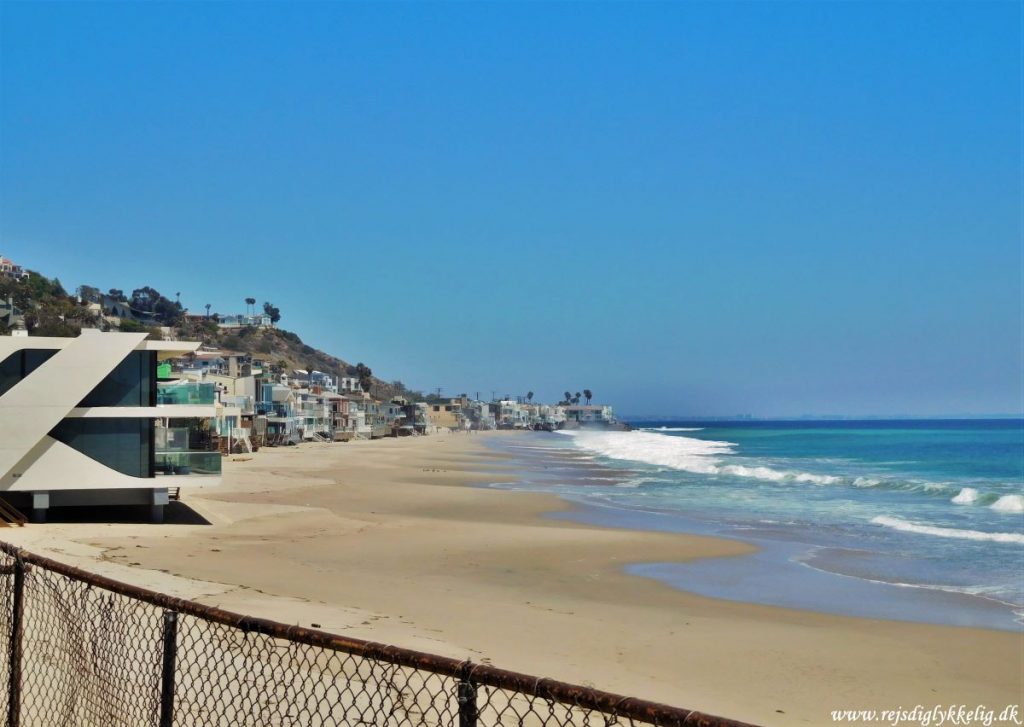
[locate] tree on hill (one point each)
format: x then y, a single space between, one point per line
130 326
45 322
149 300
118 295
273 311
89 294
33 291
365 376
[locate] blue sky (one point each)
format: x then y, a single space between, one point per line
690 208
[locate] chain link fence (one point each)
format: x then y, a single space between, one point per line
82 650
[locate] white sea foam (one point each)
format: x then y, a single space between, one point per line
673 429
966 496
1009 503
912 527
699 456
773 475
866 482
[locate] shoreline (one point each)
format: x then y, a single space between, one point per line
383 540
786 569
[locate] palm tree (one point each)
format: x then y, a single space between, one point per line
529 396
207 310
568 397
588 395
576 399
250 303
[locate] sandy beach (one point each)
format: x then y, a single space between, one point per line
387 540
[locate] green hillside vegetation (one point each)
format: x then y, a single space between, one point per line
49 310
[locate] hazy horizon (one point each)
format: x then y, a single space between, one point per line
766 209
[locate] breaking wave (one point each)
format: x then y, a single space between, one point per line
1012 504
707 457
1009 503
673 429
911 527
699 456
966 496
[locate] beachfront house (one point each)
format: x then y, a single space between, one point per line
349 385
315 415
313 379
510 414
596 415
83 422
479 415
445 414
236 422
277 403
356 418
548 418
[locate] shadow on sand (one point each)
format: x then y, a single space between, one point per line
175 513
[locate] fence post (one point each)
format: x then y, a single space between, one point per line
466 696
167 676
14 666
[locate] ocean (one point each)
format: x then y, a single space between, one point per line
908 520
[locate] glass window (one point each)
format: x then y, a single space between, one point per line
121 444
132 383
20 364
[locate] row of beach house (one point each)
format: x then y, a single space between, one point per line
115 419
255 407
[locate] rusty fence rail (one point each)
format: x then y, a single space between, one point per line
85 650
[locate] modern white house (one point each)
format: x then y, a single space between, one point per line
595 415
83 422
255 320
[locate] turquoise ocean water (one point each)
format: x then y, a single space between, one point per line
909 520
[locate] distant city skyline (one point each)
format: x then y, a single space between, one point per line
693 208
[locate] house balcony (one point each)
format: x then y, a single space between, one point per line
188 463
190 393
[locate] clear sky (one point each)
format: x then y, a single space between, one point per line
690 208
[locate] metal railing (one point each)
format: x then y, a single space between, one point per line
86 650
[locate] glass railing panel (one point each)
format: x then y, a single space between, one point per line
195 393
188 463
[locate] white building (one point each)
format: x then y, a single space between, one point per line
242 320
82 423
595 415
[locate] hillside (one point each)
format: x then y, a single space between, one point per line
47 309
283 350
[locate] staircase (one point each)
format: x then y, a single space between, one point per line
10 517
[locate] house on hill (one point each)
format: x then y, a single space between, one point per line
9 269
